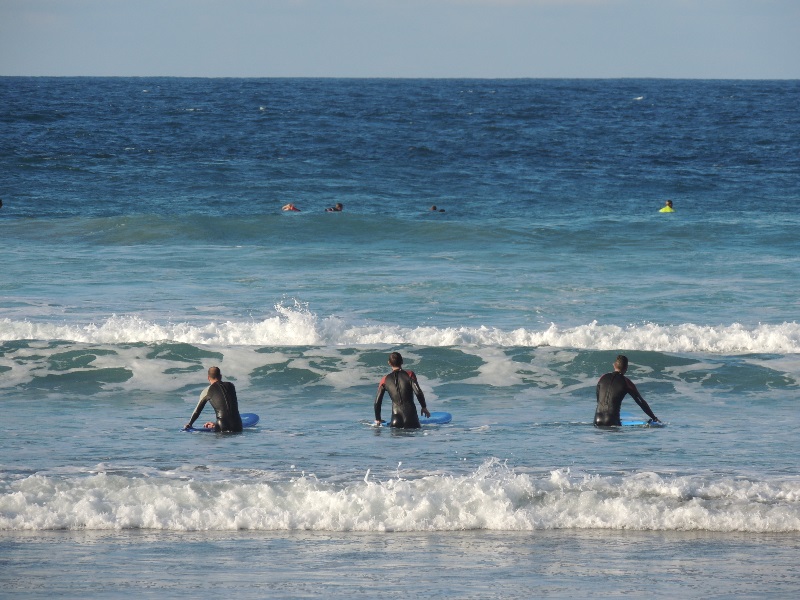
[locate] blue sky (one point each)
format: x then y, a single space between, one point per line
738 39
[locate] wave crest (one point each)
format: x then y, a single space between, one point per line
298 326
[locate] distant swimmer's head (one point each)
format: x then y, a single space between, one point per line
433 207
214 373
669 203
395 360
621 364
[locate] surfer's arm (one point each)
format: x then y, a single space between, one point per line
199 408
379 401
420 396
640 400
646 408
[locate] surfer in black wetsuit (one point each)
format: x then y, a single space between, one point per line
222 395
402 387
611 389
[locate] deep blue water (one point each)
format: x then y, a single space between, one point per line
143 241
498 148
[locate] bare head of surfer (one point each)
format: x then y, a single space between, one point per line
395 360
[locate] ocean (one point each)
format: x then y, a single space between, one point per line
143 241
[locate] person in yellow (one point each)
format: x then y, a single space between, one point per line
668 207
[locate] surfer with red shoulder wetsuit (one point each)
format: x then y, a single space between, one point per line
402 387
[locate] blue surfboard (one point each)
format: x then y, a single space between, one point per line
436 418
628 420
248 420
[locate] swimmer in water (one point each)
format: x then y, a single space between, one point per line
611 389
667 207
402 387
339 207
290 207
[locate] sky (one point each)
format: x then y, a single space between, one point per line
693 39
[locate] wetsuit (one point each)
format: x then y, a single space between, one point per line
402 387
611 389
222 395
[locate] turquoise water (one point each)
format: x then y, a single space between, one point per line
143 242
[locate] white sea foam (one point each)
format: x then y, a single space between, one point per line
492 498
298 326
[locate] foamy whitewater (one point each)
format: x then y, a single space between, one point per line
302 327
143 241
491 498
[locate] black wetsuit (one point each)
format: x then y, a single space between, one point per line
402 387
611 389
222 395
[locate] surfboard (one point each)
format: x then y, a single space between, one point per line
248 420
628 420
436 418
